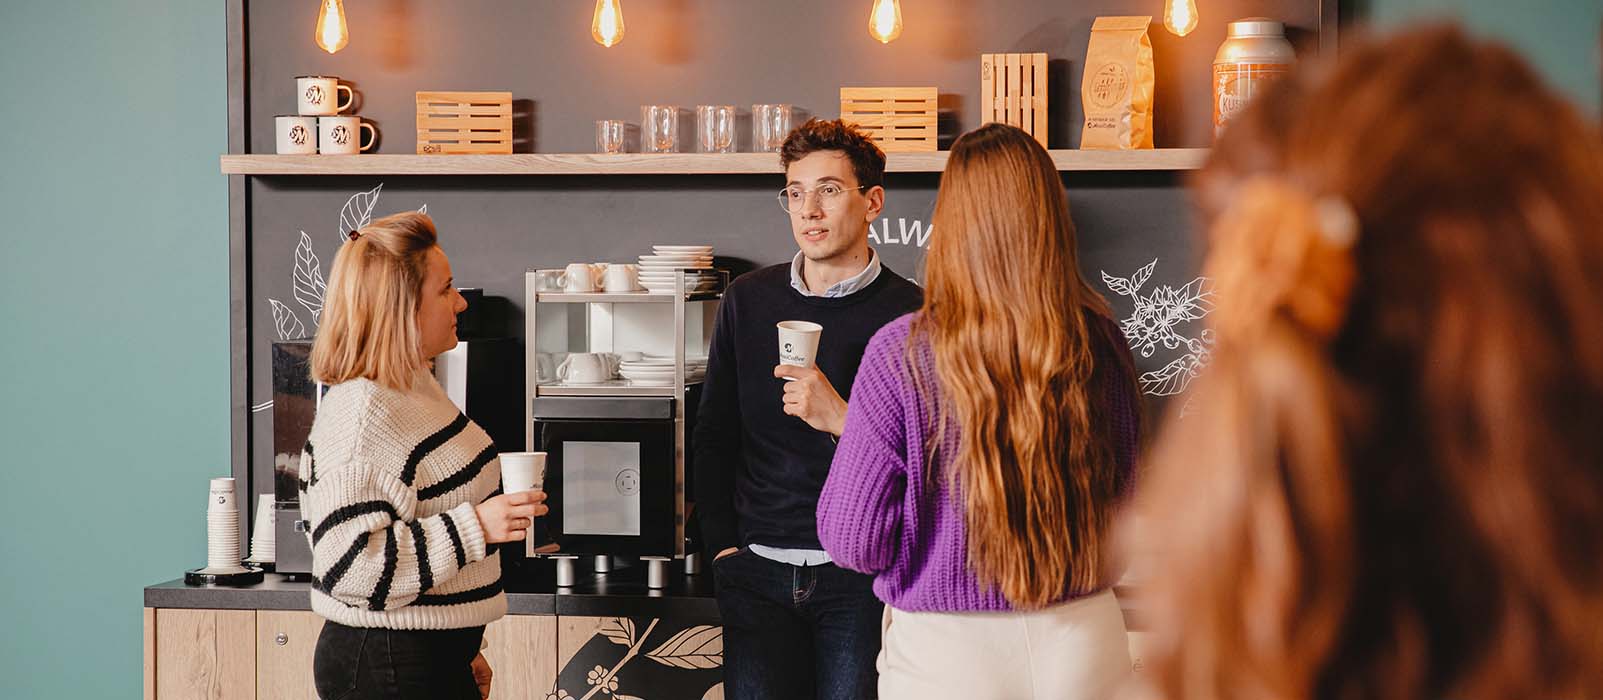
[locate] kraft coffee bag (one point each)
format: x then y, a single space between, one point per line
1118 83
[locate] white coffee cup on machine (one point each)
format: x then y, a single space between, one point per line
621 277
588 367
522 471
581 277
798 343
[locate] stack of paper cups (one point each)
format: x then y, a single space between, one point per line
263 549
222 529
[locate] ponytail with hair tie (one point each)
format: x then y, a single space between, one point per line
1279 252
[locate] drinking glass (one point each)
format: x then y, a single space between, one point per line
609 136
659 127
770 124
715 128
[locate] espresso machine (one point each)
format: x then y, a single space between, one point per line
618 455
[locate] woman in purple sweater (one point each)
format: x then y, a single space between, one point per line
987 446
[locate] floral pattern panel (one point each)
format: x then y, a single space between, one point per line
638 658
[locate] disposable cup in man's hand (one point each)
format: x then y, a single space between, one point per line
798 342
522 471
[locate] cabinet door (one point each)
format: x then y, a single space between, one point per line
659 658
522 651
285 640
205 654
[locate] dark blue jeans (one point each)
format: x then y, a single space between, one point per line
799 632
358 663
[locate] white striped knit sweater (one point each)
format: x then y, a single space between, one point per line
389 484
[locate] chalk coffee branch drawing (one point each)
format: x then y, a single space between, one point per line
1162 318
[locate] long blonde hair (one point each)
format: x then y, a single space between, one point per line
1009 321
1391 484
369 326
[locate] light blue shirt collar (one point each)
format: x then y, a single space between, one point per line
850 285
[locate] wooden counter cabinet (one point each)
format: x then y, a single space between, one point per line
267 654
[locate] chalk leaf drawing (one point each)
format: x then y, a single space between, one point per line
307 283
289 327
701 646
307 277
1162 318
358 210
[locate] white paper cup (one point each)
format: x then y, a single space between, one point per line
522 471
798 342
221 495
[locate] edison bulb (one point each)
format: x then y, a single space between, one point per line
1180 16
885 20
332 34
607 26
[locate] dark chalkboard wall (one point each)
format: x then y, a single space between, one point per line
687 52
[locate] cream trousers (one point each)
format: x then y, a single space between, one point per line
1073 651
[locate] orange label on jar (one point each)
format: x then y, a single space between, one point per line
1235 84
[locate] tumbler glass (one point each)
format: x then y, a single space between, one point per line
770 124
715 128
609 136
659 128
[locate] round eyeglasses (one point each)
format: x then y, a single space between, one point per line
794 199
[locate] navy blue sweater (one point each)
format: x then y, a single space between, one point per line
758 472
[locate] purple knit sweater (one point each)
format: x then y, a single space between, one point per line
879 515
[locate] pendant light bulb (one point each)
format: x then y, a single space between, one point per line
332 34
1180 16
885 20
607 26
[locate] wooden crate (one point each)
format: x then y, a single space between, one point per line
898 119
1013 91
464 122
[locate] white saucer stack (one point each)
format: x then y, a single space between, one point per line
655 370
657 270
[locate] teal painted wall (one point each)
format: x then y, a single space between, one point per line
114 307
1559 36
114 320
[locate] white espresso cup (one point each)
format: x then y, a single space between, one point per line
522 471
798 342
221 496
342 136
581 277
622 277
297 135
318 95
588 367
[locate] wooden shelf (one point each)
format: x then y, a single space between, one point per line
660 163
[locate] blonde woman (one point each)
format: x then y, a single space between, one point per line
401 489
986 447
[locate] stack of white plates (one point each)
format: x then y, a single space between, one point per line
657 270
658 371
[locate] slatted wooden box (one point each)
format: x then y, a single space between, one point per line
1013 91
464 122
898 119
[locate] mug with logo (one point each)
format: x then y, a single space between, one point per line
343 135
297 135
318 95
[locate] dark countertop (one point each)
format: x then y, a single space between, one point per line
530 586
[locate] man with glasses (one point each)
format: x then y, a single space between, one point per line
795 625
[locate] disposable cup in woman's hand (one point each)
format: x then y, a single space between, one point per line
522 471
507 517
